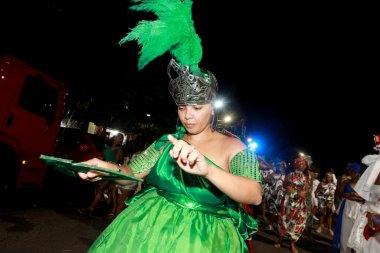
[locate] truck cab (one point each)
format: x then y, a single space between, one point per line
31 108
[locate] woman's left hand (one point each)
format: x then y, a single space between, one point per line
188 158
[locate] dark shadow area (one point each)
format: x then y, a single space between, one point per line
59 192
18 224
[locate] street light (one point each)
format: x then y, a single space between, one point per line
218 104
253 146
227 118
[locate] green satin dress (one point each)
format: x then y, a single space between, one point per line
177 212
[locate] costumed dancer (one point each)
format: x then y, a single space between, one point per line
349 209
325 194
197 178
293 211
276 192
365 235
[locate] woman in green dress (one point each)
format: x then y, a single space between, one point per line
196 178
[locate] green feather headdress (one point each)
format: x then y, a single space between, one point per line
174 32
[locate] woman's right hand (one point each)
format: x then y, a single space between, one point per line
92 175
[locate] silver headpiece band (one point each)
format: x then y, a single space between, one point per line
191 88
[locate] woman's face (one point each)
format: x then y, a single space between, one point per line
119 139
195 118
300 164
329 178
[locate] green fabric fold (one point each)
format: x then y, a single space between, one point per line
243 222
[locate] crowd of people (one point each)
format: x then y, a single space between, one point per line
299 198
112 193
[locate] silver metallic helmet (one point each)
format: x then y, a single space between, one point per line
197 88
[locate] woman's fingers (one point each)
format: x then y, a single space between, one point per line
95 179
172 139
90 176
182 150
186 150
82 175
94 176
193 156
176 148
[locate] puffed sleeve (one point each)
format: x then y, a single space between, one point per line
245 164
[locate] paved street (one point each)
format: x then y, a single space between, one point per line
44 229
52 225
264 240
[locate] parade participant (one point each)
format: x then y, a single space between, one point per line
198 178
349 209
266 170
276 192
325 193
365 233
112 152
293 211
311 200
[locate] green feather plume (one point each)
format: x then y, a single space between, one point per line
173 31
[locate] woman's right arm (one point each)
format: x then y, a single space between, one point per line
96 175
139 167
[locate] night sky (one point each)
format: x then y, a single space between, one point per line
303 75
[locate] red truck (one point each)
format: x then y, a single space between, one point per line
31 108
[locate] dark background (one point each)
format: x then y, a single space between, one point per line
303 75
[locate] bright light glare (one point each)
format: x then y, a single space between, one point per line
253 145
249 139
228 118
301 154
218 104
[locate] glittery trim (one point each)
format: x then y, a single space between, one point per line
245 164
145 160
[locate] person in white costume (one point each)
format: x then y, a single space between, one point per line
365 235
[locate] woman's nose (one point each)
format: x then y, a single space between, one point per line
187 115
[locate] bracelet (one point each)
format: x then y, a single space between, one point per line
118 168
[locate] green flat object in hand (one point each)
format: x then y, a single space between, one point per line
71 168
